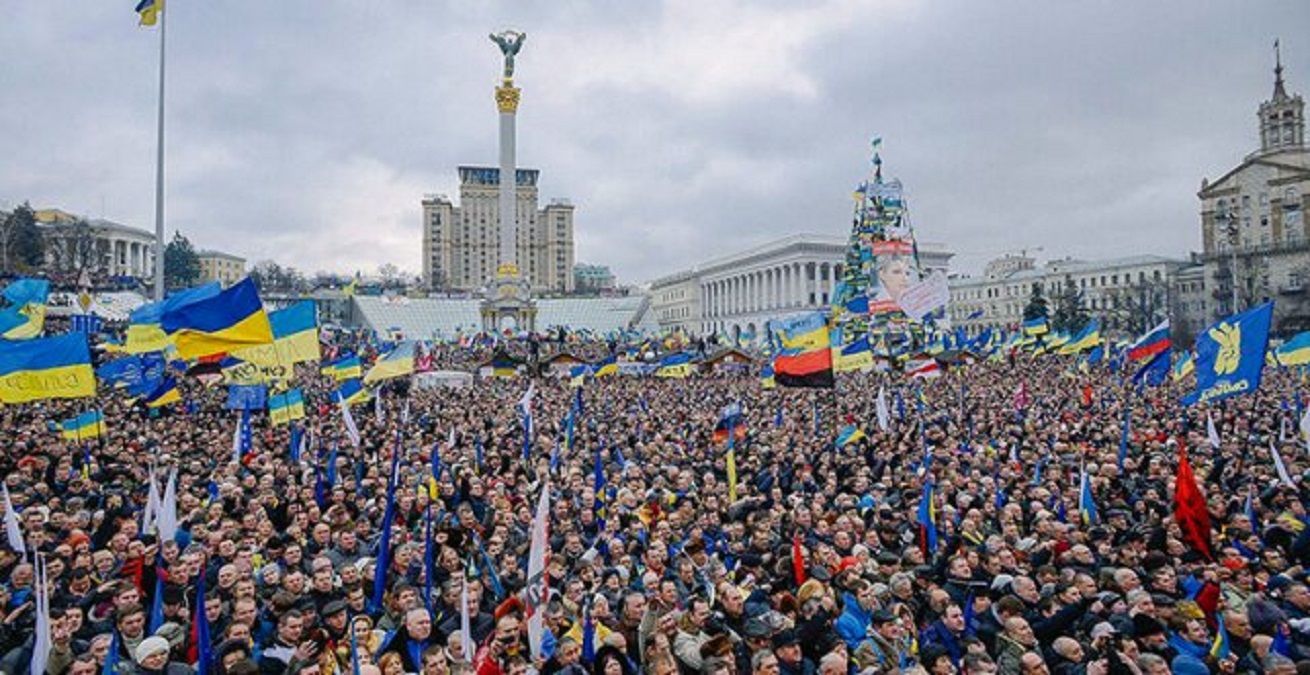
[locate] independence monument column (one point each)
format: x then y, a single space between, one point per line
508 303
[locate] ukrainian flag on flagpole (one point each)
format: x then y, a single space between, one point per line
1086 502
849 434
1184 366
25 317
283 408
144 333
295 338
350 391
1295 351
607 366
89 424
398 363
149 11
52 367
164 394
344 368
766 377
1035 326
233 319
675 365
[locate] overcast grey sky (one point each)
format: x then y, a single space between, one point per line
308 130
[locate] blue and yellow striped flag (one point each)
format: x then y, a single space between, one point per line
233 319
52 367
283 408
398 363
89 424
164 394
350 391
149 11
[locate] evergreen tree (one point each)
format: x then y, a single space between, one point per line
1036 306
181 264
1070 315
22 248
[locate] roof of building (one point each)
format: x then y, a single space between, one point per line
829 243
210 253
59 217
428 317
1064 267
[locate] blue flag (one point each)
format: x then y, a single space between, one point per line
1230 355
384 544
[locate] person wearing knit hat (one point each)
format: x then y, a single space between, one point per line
152 653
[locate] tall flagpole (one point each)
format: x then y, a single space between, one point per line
159 164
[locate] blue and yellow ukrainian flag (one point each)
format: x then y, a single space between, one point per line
1087 338
295 338
503 366
849 434
1035 326
927 518
398 363
233 319
1295 351
164 394
24 319
1221 648
854 356
350 391
52 367
283 408
144 334
149 11
1086 501
90 424
345 368
607 366
578 375
677 364
766 377
1184 367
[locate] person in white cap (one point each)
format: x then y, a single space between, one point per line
151 657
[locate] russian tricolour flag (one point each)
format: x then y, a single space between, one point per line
1155 341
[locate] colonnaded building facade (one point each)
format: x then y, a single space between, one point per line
737 293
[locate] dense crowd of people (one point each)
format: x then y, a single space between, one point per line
818 561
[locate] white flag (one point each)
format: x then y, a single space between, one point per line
349 421
525 403
13 531
1282 429
377 409
1211 431
884 415
465 629
168 510
1305 427
537 589
150 516
404 413
1279 466
236 442
41 641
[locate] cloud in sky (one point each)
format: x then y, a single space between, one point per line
308 130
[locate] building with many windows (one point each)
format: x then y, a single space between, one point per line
1128 294
737 293
461 245
592 278
1255 242
225 268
